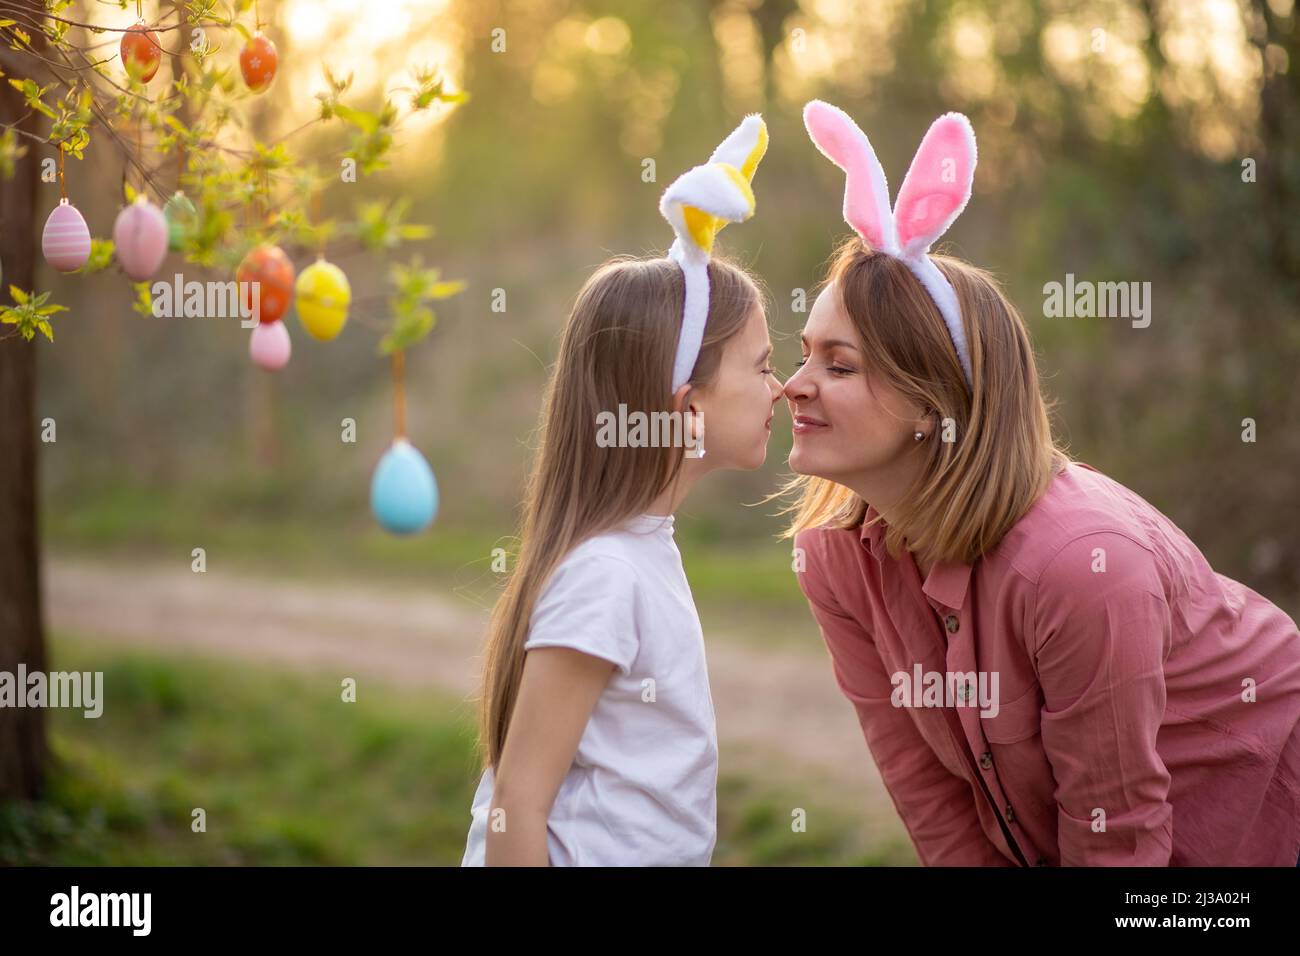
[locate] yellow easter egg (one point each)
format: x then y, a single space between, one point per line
322 295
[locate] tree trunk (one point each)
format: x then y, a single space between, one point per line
23 747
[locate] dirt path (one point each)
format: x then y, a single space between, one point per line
779 712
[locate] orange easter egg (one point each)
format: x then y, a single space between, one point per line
257 61
271 269
140 51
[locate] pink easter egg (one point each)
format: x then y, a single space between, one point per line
66 240
140 238
269 346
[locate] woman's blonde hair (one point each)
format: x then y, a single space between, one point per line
992 452
617 348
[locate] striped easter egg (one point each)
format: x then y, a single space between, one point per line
140 239
66 240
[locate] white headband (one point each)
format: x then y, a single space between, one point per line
697 205
934 192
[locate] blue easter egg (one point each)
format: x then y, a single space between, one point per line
403 491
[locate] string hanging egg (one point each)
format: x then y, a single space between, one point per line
403 491
65 243
140 239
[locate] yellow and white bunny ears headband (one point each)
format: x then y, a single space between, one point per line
934 192
697 205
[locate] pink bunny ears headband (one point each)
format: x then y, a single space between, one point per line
934 192
697 205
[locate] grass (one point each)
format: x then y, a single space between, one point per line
287 773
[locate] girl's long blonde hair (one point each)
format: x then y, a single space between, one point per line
998 455
617 348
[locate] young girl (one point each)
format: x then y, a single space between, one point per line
598 731
1100 695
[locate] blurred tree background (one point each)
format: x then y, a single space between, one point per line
1115 139
1120 140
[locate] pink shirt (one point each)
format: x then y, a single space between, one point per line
1147 714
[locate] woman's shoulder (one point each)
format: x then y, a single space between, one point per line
1083 524
820 557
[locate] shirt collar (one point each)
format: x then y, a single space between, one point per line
948 581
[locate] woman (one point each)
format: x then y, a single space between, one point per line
1045 668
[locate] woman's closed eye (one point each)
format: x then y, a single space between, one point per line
834 369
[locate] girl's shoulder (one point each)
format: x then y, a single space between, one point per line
622 553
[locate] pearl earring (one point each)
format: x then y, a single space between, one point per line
919 436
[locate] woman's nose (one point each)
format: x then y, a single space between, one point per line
796 388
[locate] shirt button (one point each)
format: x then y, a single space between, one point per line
966 692
1009 814
986 760
952 624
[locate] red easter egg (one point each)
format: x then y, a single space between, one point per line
271 269
257 61
141 53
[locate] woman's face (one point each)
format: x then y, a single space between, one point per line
848 423
736 410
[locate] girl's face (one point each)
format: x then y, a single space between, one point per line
736 410
847 422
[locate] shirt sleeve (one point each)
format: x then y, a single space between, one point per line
1100 643
589 604
937 807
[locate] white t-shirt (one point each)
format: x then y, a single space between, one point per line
642 790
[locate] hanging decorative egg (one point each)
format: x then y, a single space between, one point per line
269 346
141 52
66 240
180 214
271 269
140 239
323 296
257 61
403 491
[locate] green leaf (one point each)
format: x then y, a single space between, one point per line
445 290
366 122
101 256
407 332
143 303
18 295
